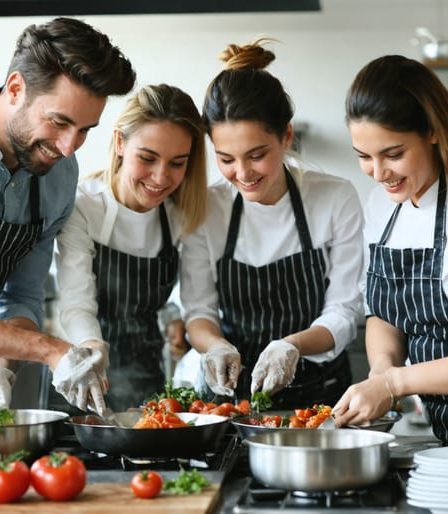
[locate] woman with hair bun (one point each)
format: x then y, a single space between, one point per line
269 281
397 114
118 254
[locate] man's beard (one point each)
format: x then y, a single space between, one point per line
19 134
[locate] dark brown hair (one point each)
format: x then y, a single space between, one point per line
402 95
245 91
75 49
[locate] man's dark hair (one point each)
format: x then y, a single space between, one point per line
75 49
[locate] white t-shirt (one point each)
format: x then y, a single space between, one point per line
97 216
268 233
413 228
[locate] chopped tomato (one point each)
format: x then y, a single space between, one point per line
170 404
243 407
271 421
197 406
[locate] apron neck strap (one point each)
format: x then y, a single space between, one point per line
166 232
34 200
299 214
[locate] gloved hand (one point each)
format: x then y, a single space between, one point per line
76 378
275 367
7 378
103 364
222 366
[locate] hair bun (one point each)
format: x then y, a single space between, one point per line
251 56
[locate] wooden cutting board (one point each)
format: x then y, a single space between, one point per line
117 498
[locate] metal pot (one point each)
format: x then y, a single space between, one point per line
319 460
34 430
203 436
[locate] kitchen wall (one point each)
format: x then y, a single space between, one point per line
318 54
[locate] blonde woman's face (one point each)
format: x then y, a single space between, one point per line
154 163
252 159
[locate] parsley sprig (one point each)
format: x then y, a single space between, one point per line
186 483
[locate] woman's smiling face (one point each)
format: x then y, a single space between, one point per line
403 162
251 158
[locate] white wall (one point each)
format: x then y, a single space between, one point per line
318 54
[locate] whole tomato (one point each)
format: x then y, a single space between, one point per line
146 484
58 476
14 478
170 404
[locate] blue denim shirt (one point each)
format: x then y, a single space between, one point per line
23 293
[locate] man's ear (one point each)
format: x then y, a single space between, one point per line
15 88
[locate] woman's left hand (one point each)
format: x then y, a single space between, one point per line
367 400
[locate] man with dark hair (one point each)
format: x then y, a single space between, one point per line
56 88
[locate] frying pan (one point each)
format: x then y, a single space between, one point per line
246 429
319 460
96 435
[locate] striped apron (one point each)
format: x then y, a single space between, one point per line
130 291
260 304
16 240
405 288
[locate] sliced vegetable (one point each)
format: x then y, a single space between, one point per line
184 395
187 482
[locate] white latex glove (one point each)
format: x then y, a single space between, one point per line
76 378
7 379
103 364
275 367
222 366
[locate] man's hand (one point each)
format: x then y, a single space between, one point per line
7 378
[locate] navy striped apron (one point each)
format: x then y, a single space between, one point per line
17 240
130 291
405 288
260 304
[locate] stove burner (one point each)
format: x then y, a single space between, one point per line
383 496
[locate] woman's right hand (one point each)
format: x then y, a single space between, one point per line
222 366
362 402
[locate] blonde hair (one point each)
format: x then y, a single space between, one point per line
153 104
253 55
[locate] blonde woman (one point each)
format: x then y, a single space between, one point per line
118 254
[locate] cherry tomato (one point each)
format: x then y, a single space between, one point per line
146 484
197 406
170 404
58 476
14 478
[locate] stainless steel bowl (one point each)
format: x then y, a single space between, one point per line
383 424
34 430
319 460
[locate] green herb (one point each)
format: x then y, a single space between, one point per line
186 483
260 401
6 417
184 395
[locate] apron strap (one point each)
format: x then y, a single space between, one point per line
440 225
166 232
299 214
34 200
109 219
390 225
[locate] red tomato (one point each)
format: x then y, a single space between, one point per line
244 407
14 479
170 404
197 406
58 476
146 484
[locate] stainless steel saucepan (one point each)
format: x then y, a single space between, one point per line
34 430
319 460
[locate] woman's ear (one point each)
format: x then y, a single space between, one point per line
288 137
118 142
433 139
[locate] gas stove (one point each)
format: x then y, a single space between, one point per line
381 497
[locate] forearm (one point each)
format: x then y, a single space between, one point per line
203 335
312 341
424 378
385 345
20 340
